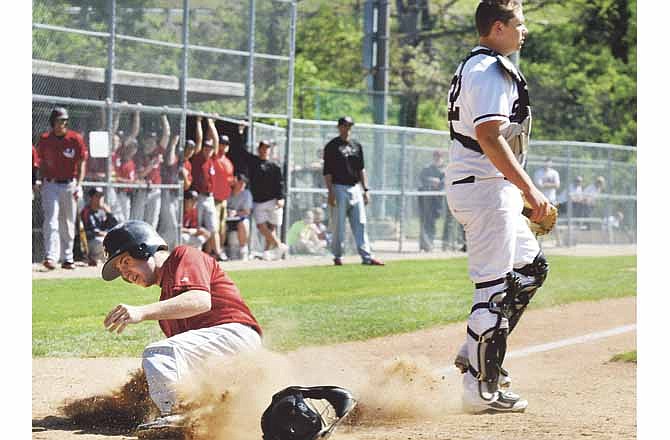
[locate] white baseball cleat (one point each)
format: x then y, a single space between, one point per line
504 401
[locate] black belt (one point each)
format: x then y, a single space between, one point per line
60 181
205 194
469 179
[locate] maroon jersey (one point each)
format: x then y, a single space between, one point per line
125 170
188 176
59 156
203 171
191 218
191 269
223 179
151 160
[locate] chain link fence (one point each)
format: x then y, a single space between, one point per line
402 209
133 69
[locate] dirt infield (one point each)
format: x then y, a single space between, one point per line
408 389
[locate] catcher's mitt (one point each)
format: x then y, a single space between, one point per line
546 225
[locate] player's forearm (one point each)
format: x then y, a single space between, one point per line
185 305
500 154
328 180
82 171
165 137
364 178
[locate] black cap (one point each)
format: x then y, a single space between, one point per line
265 142
95 190
345 120
208 143
138 238
190 143
58 113
223 139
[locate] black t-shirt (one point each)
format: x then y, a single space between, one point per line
265 179
343 160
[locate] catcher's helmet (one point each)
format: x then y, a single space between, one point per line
58 113
135 237
290 417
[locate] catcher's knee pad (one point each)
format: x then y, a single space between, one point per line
487 334
522 285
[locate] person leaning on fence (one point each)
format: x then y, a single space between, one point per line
62 155
223 185
192 232
168 220
347 183
431 178
575 194
240 204
267 188
147 201
97 218
125 172
203 170
186 169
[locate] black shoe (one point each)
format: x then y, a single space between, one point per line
373 262
337 261
68 265
49 264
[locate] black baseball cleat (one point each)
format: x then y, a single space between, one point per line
68 265
373 262
337 261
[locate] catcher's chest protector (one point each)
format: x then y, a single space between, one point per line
520 116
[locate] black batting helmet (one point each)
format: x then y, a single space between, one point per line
135 237
58 113
290 416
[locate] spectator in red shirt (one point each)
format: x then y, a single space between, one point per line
200 311
124 167
62 156
186 170
168 220
192 233
204 172
147 201
223 182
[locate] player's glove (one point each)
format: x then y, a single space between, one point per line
546 225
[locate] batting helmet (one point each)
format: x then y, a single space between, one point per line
290 417
136 237
58 113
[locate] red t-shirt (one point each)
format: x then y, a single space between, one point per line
59 156
223 179
203 171
154 175
188 268
126 170
191 218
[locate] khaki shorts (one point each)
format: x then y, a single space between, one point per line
267 212
221 213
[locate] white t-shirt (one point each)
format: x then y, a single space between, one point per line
546 177
487 94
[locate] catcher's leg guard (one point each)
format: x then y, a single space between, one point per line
522 286
487 331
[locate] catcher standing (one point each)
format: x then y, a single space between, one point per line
200 311
489 116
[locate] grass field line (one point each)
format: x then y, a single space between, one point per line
540 348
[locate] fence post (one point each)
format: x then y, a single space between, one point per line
289 127
403 176
608 200
186 18
250 75
109 79
570 207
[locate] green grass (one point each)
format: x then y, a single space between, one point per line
312 305
629 356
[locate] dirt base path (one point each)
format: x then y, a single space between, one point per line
574 391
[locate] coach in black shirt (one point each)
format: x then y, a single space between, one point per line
267 188
347 183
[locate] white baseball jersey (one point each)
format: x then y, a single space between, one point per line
482 79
